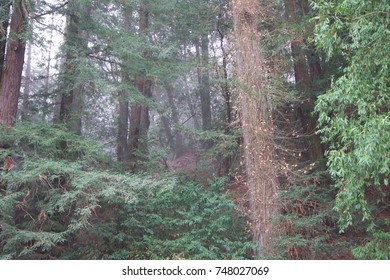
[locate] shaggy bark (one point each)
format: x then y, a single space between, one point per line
259 147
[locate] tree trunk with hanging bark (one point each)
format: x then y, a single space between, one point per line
256 119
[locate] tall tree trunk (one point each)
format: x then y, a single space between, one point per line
76 42
139 115
259 147
123 103
12 72
305 74
5 4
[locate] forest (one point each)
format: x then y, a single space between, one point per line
194 129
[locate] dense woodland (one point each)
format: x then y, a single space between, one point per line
194 129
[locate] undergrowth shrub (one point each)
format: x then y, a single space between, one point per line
70 203
307 225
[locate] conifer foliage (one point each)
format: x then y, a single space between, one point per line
70 204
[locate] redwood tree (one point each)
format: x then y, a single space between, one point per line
307 71
139 114
76 44
12 72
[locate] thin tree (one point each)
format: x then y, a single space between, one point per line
204 83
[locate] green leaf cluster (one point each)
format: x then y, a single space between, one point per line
354 114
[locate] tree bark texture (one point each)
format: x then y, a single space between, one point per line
139 122
259 147
14 60
306 70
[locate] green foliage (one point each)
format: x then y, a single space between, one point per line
354 114
182 223
377 247
67 203
217 184
307 221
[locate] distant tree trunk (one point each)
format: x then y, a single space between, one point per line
225 162
190 104
178 137
258 127
139 114
123 103
123 121
168 132
12 72
5 4
205 99
71 108
27 82
47 78
224 84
